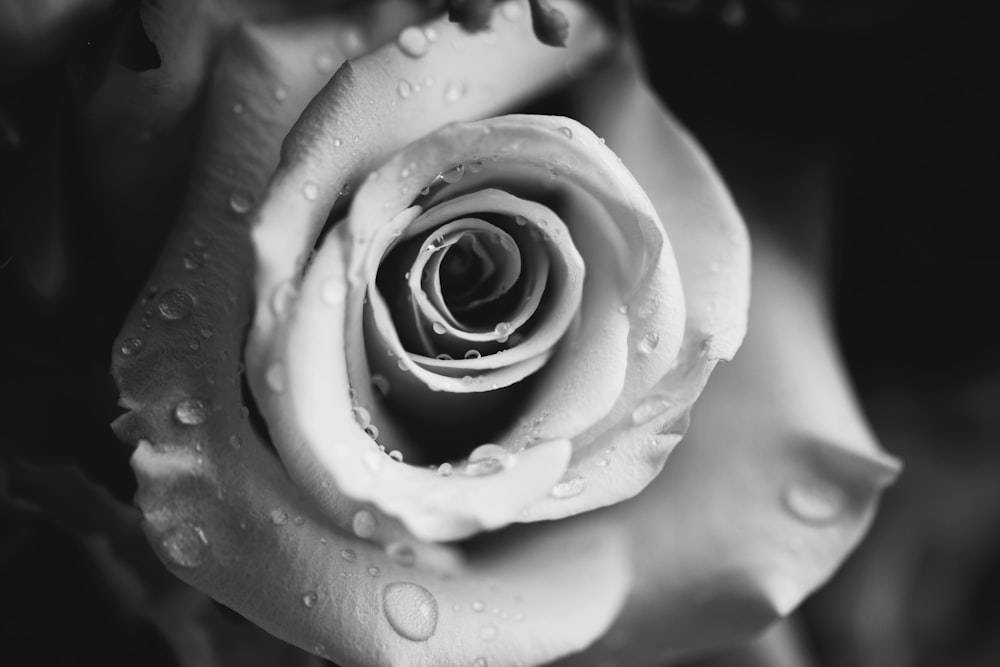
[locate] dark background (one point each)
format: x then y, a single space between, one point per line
895 100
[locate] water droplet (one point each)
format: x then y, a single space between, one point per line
502 330
411 610
444 357
131 346
473 354
374 571
349 555
647 309
413 42
175 304
324 62
193 260
401 365
310 191
650 408
603 462
362 416
352 42
454 91
431 33
512 11
186 545
480 662
488 633
195 345
478 606
381 385
280 94
364 524
453 174
815 502
279 517
648 342
236 441
405 89
299 520
445 470
275 377
401 553
396 456
309 599
566 132
569 487
240 202
192 411
438 328
487 459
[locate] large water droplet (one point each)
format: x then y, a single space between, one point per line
364 524
650 408
279 517
192 411
815 502
413 42
411 610
405 89
487 459
566 132
175 304
445 470
309 599
438 328
131 346
186 545
569 487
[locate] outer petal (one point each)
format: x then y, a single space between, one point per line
779 477
221 511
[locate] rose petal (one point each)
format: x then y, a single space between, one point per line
775 484
626 450
221 511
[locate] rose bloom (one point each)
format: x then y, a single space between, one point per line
403 383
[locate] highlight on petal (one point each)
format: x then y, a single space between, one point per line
219 508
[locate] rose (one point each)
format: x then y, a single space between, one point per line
324 569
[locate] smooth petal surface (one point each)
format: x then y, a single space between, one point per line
220 509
